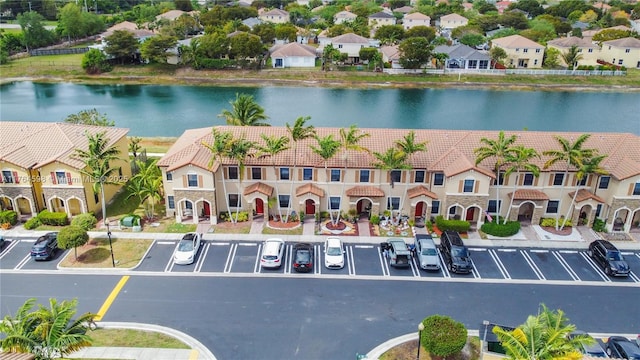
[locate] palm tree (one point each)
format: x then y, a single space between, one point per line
273 146
410 147
520 159
327 148
349 141
239 150
499 149
219 149
97 159
589 166
571 153
18 330
392 159
147 184
245 112
572 56
298 132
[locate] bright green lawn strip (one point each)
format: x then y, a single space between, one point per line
271 231
134 338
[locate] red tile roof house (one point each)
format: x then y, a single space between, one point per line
444 180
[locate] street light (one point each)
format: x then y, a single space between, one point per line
420 328
113 261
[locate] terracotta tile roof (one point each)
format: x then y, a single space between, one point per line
515 41
34 144
529 194
419 191
349 38
448 151
293 49
369 191
627 42
259 187
309 188
584 194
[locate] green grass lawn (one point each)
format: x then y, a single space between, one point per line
97 254
134 338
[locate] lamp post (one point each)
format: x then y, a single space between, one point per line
420 328
113 261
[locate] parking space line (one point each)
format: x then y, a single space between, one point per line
474 270
414 267
203 255
533 265
565 265
256 268
351 261
634 277
318 259
445 271
383 263
288 258
22 262
6 250
499 263
165 242
591 263
230 256
170 264
363 246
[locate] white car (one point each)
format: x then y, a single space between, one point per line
333 253
187 249
272 253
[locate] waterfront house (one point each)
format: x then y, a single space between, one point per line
590 52
350 44
293 55
463 57
39 170
622 52
444 180
521 52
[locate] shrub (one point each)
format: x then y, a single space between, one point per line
551 222
32 223
375 219
8 216
72 237
53 218
86 221
242 216
496 228
455 225
443 336
599 225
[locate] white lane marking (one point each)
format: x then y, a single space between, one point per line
566 266
568 251
230 255
351 262
8 248
219 243
445 271
363 246
477 249
474 270
414 267
634 277
288 258
318 259
539 251
257 268
595 267
247 244
29 240
203 255
165 242
500 265
383 262
507 250
626 253
23 262
533 265
170 264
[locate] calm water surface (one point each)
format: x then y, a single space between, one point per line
150 110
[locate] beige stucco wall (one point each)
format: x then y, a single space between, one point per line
614 54
533 58
590 55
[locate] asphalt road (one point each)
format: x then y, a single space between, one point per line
318 318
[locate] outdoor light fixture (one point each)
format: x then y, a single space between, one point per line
113 261
420 328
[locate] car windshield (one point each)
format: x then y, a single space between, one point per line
269 257
303 256
334 251
429 252
42 240
185 245
459 252
614 256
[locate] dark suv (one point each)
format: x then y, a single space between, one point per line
45 247
608 256
455 253
622 348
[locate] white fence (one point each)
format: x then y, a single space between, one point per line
507 72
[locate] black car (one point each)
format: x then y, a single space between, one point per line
622 348
609 257
303 257
455 253
2 242
45 247
592 349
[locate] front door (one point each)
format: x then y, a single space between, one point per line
207 210
310 207
419 209
259 206
470 213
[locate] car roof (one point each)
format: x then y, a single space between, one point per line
302 246
333 241
607 245
274 240
424 236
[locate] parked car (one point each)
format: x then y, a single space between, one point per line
594 349
272 253
303 257
455 253
426 252
187 249
609 258
622 348
333 253
2 242
398 253
45 247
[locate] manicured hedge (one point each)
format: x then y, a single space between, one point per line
599 225
443 336
53 218
502 230
32 223
455 225
549 222
85 221
8 216
242 216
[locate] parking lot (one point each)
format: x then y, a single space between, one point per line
495 263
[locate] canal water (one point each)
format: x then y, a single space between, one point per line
152 110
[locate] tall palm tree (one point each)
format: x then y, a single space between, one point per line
520 159
219 148
393 159
349 141
298 132
239 150
147 184
589 166
245 112
570 153
410 147
273 146
97 160
327 148
500 149
572 56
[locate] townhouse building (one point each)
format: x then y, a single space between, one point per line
445 180
40 171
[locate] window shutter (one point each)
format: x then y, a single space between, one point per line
53 178
371 178
69 179
357 176
565 180
184 180
413 177
589 179
225 173
388 177
403 177
535 180
631 186
16 179
343 173
248 170
477 185
263 174
551 177
299 174
460 185
315 174
1 178
199 180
